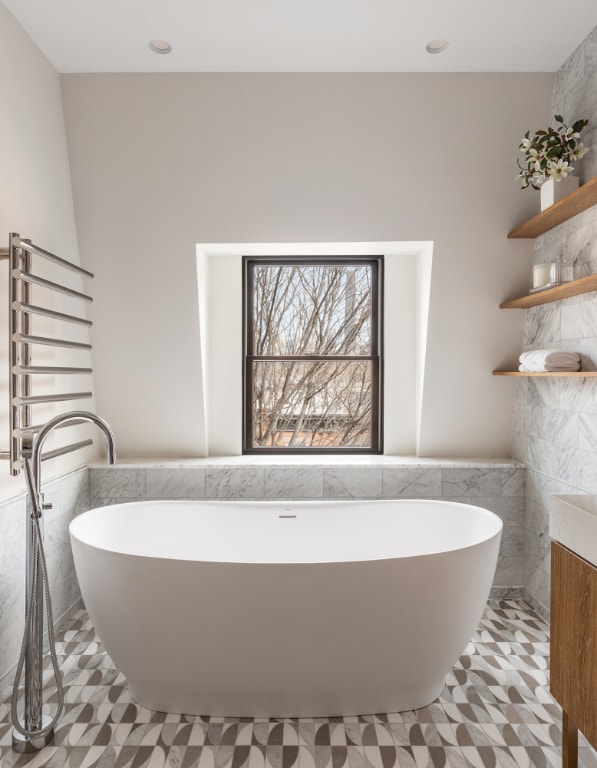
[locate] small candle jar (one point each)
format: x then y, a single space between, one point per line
541 276
550 274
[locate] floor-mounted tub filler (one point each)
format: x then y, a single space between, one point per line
276 609
34 730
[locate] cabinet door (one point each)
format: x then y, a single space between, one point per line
573 676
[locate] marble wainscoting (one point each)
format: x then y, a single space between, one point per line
498 485
69 496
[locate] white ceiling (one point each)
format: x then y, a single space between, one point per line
306 35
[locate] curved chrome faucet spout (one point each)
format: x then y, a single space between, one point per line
60 420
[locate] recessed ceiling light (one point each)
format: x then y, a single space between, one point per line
437 46
160 46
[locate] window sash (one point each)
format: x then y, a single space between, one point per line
376 345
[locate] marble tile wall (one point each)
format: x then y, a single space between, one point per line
69 496
499 487
555 420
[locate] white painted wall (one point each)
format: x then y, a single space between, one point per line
163 162
36 201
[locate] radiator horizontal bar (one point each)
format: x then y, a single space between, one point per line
26 338
32 248
38 427
4 454
29 277
35 399
19 305
65 449
50 369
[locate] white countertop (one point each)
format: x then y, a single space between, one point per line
573 523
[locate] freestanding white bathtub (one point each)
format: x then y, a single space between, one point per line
276 609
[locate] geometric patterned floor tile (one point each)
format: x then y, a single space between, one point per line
495 712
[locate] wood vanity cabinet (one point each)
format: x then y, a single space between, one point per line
573 676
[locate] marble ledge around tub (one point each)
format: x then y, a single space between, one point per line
335 460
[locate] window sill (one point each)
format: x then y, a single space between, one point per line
311 461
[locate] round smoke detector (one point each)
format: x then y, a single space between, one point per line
437 46
160 46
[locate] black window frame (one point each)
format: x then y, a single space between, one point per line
376 356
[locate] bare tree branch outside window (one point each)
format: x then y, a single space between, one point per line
312 368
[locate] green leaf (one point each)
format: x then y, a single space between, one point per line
579 125
559 118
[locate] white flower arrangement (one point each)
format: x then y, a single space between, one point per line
549 154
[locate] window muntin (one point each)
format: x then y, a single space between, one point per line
312 369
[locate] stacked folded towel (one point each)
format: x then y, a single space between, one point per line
549 360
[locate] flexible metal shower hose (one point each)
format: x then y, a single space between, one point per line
39 557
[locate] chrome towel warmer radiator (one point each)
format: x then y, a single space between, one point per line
21 371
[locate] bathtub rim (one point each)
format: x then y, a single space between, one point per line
495 527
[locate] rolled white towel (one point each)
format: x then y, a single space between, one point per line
552 369
537 360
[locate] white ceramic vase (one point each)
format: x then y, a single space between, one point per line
552 191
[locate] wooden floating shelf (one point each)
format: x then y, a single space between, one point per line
577 374
564 291
576 202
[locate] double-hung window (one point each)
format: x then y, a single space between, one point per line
312 354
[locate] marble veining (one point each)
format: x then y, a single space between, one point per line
542 324
552 425
518 421
293 482
578 468
543 394
412 482
588 353
578 395
352 482
235 483
543 454
178 483
579 319
118 483
513 482
457 482
587 431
